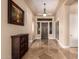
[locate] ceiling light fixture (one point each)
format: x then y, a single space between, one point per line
44 14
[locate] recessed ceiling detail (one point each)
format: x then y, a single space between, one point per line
37 6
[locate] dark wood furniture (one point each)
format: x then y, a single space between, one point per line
19 45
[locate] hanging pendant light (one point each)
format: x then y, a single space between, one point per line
44 14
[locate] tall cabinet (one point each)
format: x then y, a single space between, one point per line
19 45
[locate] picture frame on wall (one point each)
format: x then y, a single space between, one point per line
15 14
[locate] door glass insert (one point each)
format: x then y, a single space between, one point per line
38 27
50 28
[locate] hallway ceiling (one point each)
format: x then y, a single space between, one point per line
37 6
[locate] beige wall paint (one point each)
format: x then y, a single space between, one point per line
73 25
74 8
10 29
63 17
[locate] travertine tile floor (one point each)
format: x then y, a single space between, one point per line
49 50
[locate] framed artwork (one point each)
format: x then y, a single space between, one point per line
15 14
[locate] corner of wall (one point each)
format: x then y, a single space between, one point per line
62 45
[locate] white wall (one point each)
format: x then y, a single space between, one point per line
9 29
73 29
67 17
62 16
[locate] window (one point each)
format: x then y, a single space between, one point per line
38 27
50 28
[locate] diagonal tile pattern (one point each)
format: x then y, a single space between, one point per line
49 50
45 56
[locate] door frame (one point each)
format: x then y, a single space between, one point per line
50 36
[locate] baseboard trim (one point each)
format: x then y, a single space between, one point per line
62 45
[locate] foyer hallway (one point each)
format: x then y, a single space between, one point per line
49 50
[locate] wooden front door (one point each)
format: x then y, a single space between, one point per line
44 31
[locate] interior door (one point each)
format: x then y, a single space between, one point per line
44 31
